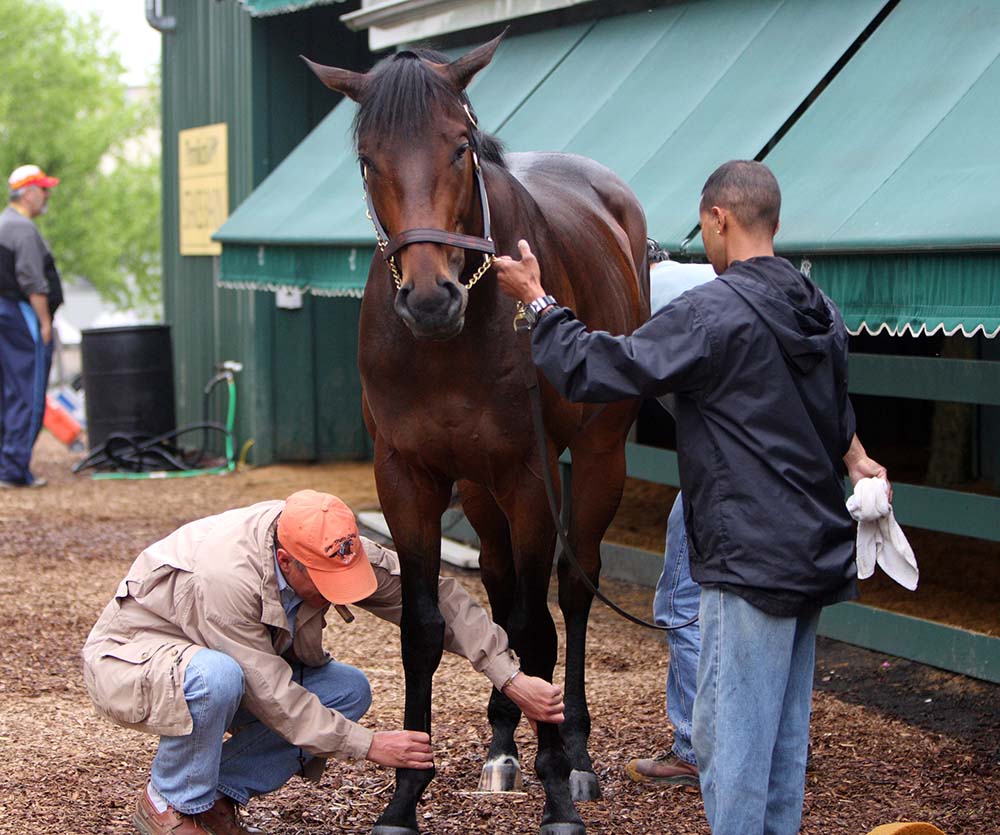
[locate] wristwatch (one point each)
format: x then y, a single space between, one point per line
534 309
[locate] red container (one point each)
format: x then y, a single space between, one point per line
60 422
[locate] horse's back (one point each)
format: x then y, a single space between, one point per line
568 172
595 212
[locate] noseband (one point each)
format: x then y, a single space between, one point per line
390 246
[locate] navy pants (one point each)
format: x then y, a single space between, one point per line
22 388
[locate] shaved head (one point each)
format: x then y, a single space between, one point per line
748 190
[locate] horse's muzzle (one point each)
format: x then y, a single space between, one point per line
433 312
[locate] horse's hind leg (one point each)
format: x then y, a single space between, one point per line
502 770
598 480
533 635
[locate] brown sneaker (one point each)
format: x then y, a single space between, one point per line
665 769
224 819
171 822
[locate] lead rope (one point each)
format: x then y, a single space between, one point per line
539 428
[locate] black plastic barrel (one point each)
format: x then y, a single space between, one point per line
128 380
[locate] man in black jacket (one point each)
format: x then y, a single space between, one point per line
758 361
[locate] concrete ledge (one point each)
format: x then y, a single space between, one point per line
618 562
630 565
452 552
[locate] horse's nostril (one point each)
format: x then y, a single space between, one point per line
401 302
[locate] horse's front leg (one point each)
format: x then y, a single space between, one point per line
533 636
502 769
413 501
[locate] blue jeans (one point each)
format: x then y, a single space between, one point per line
22 389
751 715
192 771
676 601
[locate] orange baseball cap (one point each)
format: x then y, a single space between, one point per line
30 175
320 531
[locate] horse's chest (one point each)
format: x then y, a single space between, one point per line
466 434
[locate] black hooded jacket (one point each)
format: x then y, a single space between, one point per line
758 360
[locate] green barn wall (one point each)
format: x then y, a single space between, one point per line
298 396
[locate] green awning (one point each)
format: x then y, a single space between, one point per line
900 151
661 97
913 294
338 271
264 8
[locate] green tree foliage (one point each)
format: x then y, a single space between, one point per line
63 106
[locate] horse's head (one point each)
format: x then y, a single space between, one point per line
417 143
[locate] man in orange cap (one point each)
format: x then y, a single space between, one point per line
219 627
30 292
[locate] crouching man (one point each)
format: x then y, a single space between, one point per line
219 627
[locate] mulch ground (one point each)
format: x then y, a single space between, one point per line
892 740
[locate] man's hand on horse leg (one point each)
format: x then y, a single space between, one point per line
539 700
522 279
401 749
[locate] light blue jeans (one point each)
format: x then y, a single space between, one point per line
676 601
751 715
192 771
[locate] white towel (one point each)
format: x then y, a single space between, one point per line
880 539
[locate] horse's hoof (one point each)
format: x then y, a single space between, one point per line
584 786
501 775
385 829
562 829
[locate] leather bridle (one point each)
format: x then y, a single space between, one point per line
390 246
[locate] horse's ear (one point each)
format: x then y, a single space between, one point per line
463 69
351 84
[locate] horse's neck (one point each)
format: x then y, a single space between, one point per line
516 215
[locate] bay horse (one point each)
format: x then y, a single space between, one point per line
445 396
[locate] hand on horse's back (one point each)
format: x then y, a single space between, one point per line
401 749
520 279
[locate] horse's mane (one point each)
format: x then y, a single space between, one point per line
400 94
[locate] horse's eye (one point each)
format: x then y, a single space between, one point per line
460 152
366 164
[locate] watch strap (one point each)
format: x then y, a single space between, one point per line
539 304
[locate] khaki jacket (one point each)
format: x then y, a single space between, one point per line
212 584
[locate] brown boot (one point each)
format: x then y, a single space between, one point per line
224 819
171 822
666 769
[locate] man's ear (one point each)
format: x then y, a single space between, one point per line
284 559
721 218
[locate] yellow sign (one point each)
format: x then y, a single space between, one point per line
203 165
